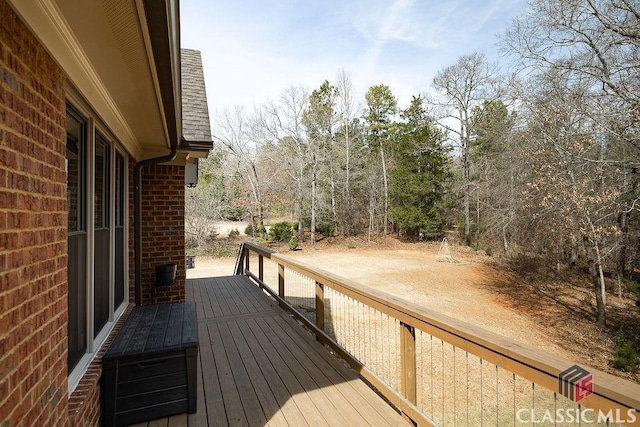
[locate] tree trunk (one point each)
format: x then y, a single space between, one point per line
371 213
598 281
313 199
334 208
299 203
505 242
466 174
386 190
255 189
619 276
348 179
624 238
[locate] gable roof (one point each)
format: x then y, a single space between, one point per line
195 111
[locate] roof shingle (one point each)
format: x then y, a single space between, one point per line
195 111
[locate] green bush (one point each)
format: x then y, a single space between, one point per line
233 233
327 229
626 357
249 230
280 232
633 287
293 243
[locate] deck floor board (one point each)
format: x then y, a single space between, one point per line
257 366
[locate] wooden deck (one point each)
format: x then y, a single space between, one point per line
259 367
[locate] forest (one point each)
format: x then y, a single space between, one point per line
534 159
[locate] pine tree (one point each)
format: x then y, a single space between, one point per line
419 174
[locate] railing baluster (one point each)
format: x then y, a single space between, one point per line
320 306
408 361
246 260
281 283
261 267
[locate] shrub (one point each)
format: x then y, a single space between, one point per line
327 229
211 237
217 248
233 233
351 244
633 287
190 242
293 243
626 357
280 232
249 230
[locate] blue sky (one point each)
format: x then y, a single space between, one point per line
253 49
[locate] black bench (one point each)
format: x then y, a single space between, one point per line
149 370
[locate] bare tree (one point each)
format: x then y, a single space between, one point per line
570 196
283 120
588 52
346 113
496 158
240 135
463 86
379 115
598 40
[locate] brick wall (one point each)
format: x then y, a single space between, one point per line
162 231
33 230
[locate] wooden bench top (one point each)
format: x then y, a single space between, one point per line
156 328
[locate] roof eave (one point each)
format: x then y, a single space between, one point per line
163 23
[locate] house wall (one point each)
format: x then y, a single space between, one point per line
162 231
33 239
33 230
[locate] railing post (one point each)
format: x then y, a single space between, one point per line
246 260
408 362
320 306
261 267
281 282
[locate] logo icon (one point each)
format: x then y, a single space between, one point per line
575 383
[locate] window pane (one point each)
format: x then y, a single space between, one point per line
120 177
75 170
77 241
101 235
120 248
102 183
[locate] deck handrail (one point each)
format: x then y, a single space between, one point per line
610 393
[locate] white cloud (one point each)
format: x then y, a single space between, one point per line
254 49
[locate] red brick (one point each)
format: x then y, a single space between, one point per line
33 138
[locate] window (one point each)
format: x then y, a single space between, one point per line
97 241
77 236
101 234
120 216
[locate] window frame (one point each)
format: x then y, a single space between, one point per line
93 128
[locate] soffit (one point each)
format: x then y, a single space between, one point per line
101 45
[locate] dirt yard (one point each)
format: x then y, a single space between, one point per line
474 290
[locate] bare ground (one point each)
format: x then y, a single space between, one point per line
554 314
